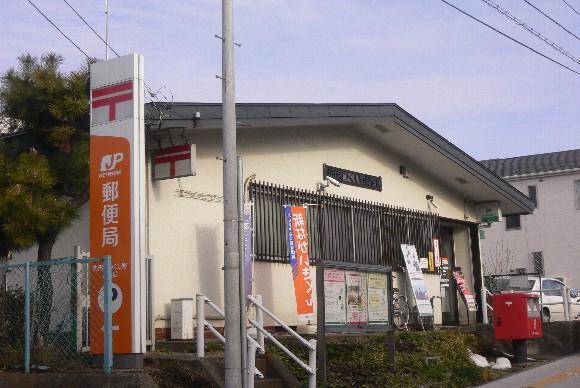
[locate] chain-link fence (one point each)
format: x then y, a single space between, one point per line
51 312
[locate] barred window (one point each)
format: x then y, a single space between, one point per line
538 262
533 195
340 228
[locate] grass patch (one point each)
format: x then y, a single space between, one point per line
362 361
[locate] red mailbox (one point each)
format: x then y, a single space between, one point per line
516 316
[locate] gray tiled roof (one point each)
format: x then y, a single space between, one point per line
532 164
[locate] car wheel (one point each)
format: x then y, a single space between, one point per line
545 315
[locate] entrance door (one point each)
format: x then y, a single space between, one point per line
450 314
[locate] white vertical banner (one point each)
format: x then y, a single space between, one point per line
436 252
417 282
117 196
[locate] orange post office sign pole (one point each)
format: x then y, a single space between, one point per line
117 167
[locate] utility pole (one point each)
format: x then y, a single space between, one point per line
233 349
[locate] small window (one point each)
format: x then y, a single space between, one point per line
533 195
538 262
577 194
513 222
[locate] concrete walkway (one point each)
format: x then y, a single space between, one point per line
562 373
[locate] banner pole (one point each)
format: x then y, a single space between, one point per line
242 264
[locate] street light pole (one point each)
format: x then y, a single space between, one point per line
233 349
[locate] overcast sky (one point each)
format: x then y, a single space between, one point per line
488 95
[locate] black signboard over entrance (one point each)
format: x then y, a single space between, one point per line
353 178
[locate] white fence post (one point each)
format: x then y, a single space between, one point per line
566 302
484 292
200 321
312 364
251 363
260 320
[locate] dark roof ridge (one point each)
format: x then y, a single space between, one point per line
530 155
549 162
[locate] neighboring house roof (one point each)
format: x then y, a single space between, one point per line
387 124
534 164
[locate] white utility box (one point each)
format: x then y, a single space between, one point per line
182 319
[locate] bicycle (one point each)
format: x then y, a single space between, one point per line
400 310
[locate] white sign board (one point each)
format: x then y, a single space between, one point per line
417 282
174 162
488 212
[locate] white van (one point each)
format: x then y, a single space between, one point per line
554 312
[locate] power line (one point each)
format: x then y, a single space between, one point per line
509 37
59 30
152 94
153 99
92 29
561 26
537 34
572 8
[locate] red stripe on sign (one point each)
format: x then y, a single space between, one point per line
169 159
111 101
172 150
112 89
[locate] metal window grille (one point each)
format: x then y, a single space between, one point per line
538 262
340 228
533 195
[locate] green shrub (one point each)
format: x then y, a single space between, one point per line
362 361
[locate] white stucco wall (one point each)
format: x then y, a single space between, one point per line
186 234
553 228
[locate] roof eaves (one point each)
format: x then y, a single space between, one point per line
448 149
365 111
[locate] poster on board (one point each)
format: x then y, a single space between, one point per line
416 278
378 300
444 286
334 297
464 291
356 293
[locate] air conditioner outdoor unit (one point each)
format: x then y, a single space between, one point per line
182 319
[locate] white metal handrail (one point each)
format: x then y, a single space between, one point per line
310 345
201 301
202 323
487 293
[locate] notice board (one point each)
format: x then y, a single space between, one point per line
356 298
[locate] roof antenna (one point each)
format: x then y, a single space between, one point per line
106 30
